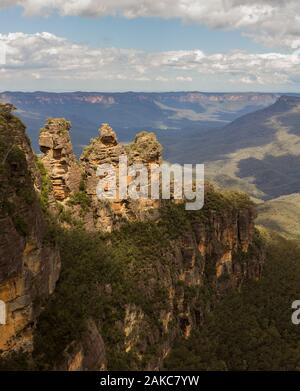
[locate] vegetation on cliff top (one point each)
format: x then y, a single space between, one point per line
89 267
60 123
281 215
120 263
14 192
102 273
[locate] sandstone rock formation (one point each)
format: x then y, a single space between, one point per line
29 264
105 149
88 354
75 183
59 159
213 249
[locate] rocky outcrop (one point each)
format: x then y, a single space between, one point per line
86 355
59 159
105 149
217 254
75 183
218 249
145 149
167 284
29 264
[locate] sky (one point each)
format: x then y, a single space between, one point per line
150 45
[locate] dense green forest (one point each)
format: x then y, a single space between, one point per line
250 329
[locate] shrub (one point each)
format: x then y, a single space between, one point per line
80 198
46 185
20 225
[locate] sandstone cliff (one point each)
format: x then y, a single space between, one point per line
74 183
150 282
165 270
29 263
215 251
127 294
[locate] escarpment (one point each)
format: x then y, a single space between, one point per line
29 262
151 282
215 251
138 274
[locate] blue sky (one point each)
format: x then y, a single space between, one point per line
149 34
148 45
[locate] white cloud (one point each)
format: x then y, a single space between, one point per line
273 22
2 53
162 79
184 78
44 56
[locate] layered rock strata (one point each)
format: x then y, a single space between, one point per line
59 159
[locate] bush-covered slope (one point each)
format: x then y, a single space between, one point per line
144 285
250 329
281 215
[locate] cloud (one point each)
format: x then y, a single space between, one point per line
2 53
275 23
184 78
44 56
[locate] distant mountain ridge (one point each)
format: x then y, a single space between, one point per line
257 152
250 130
260 154
130 112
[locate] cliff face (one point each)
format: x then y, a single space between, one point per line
216 252
29 265
127 295
149 283
86 354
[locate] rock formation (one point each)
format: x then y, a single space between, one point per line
105 149
87 354
29 264
145 149
218 253
75 183
59 159
213 249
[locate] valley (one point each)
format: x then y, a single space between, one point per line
100 256
249 141
149 193
129 112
